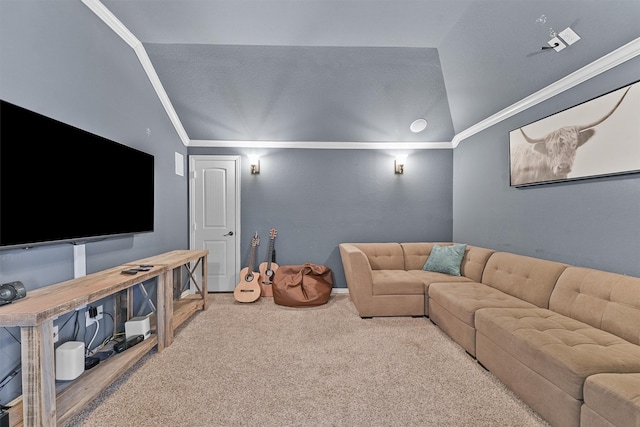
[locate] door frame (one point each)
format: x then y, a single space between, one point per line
238 234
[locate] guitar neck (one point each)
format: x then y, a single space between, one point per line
271 252
252 258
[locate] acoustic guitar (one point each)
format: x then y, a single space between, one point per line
248 289
268 268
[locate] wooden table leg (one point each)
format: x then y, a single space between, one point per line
38 375
167 290
205 288
162 328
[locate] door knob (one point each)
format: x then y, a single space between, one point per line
229 234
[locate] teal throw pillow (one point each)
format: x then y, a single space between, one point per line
445 259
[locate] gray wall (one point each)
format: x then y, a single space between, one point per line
58 59
514 67
317 199
61 61
590 223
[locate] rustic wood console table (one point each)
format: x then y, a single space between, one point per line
45 405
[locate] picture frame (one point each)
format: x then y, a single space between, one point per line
597 138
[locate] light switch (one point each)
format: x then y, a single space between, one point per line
179 164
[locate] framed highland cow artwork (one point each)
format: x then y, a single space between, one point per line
600 137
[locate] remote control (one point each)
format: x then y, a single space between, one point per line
131 271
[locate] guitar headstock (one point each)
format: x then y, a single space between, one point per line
255 240
273 233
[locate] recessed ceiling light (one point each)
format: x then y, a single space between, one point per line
418 125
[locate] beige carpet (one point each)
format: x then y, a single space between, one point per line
261 364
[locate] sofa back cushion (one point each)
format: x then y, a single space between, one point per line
416 254
607 301
473 263
527 278
383 256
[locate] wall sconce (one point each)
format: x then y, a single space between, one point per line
399 165
255 166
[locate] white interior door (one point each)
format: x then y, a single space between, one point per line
215 217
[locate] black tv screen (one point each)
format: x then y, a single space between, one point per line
59 183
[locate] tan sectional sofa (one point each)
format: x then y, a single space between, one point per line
386 279
565 339
611 400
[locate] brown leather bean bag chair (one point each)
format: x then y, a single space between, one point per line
305 285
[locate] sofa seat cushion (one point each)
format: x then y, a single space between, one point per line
615 397
396 282
558 348
462 300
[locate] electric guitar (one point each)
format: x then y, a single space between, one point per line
268 268
248 289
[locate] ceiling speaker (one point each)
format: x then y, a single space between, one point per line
11 291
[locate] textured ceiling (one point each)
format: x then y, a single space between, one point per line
300 93
361 70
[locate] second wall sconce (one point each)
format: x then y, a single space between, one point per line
255 165
399 164
399 167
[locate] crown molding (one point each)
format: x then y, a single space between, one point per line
118 27
599 66
162 94
321 145
112 22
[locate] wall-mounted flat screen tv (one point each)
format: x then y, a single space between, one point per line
59 183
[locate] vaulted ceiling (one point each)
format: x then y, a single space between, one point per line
360 71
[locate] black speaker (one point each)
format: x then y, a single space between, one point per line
11 291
